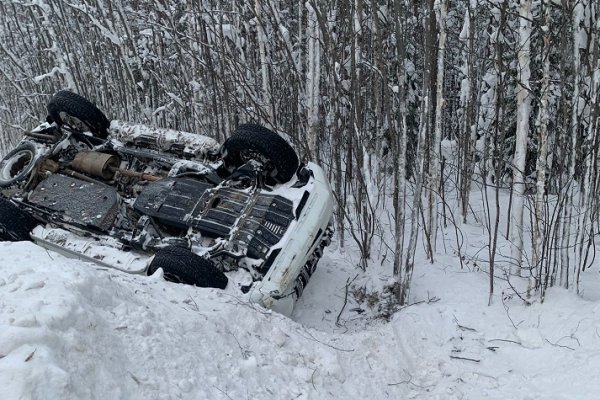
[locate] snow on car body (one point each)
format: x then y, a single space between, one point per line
139 199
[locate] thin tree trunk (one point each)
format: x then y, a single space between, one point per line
497 164
400 157
264 63
424 130
435 164
586 195
468 96
567 278
539 266
313 78
523 112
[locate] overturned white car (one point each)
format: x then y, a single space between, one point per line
245 214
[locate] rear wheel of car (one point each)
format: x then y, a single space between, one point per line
180 265
15 224
71 109
17 165
255 142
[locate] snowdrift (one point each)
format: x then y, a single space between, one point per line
70 330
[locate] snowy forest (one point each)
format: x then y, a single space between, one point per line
410 106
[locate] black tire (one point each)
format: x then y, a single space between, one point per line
15 224
71 109
251 141
182 266
17 165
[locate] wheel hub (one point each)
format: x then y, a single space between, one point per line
16 165
73 122
247 155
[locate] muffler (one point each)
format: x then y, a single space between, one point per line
102 165
99 165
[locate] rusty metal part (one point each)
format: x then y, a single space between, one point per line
53 167
100 165
49 165
134 174
75 174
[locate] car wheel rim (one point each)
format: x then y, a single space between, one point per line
73 122
16 165
250 154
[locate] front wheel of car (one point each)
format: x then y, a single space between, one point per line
255 142
180 265
71 109
15 224
17 165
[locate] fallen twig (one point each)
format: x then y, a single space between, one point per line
348 283
505 340
462 327
528 303
29 357
312 379
465 358
225 393
318 341
559 345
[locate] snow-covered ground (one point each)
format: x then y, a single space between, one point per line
70 330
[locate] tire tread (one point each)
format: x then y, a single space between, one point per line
268 143
80 108
182 266
15 224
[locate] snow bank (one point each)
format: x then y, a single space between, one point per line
69 330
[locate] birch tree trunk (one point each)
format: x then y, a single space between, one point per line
540 268
468 97
313 80
435 164
424 130
400 157
522 134
264 64
566 277
560 176
492 147
585 232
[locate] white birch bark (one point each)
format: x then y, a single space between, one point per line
523 112
566 278
539 269
400 212
468 131
584 225
264 65
313 79
492 147
441 8
400 172
419 171
416 205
